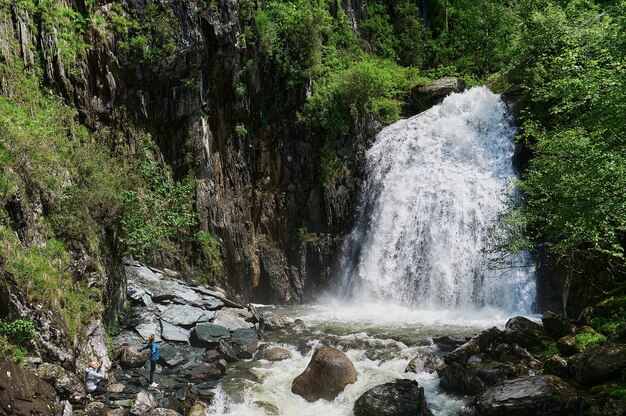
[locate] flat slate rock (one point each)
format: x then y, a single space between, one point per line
210 333
186 315
174 333
149 328
231 318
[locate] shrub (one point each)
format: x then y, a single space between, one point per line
585 340
211 258
18 332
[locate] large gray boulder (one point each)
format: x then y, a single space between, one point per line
425 96
327 375
245 343
129 357
174 333
208 335
598 364
533 395
557 325
269 353
399 398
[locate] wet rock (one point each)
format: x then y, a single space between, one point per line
533 395
245 343
567 345
424 363
557 325
269 353
399 398
130 358
202 372
513 353
144 403
22 393
526 333
327 374
233 318
67 384
95 409
226 349
464 352
447 344
208 335
171 356
186 315
490 339
425 96
268 408
271 322
174 333
585 316
556 365
478 374
198 409
598 364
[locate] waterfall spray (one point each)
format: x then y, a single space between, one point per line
435 187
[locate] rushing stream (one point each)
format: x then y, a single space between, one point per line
416 265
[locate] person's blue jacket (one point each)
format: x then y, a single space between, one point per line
154 348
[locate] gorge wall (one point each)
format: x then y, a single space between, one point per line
216 107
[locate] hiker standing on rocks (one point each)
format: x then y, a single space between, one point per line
153 349
94 379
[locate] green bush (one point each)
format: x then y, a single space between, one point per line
584 340
18 332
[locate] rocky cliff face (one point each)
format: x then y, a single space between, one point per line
218 108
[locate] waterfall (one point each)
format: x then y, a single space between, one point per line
435 186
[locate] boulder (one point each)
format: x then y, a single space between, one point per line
186 315
170 332
208 335
490 339
22 393
269 353
557 325
399 398
567 345
227 351
203 371
425 96
478 374
245 343
464 352
172 356
327 374
116 388
556 365
424 363
268 408
67 385
144 403
532 395
447 344
598 364
198 409
233 318
270 321
526 333
129 357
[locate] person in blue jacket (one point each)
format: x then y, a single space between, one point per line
154 357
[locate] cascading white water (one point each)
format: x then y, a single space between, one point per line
434 190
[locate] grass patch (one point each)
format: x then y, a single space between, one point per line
615 389
584 341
